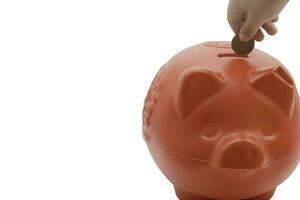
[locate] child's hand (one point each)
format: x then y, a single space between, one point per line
247 17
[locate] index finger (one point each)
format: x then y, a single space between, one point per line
235 18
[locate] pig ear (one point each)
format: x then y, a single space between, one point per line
278 85
195 85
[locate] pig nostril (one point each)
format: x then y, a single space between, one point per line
241 155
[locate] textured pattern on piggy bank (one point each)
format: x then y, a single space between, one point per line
151 100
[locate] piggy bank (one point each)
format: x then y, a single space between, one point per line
223 126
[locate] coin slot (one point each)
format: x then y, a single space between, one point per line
222 55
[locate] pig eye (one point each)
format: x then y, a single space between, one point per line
210 131
268 131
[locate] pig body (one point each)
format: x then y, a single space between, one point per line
222 126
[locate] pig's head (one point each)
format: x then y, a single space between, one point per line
236 119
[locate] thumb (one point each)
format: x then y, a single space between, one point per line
249 29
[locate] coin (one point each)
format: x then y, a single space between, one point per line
241 47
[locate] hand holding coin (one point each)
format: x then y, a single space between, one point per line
249 18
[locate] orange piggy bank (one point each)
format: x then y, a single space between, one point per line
223 126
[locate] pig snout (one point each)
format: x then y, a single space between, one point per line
241 155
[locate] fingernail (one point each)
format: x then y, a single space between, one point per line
243 37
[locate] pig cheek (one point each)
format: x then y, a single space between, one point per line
205 144
282 143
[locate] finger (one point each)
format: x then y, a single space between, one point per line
249 29
270 28
259 36
236 26
235 17
275 19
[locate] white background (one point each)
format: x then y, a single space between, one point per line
73 77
